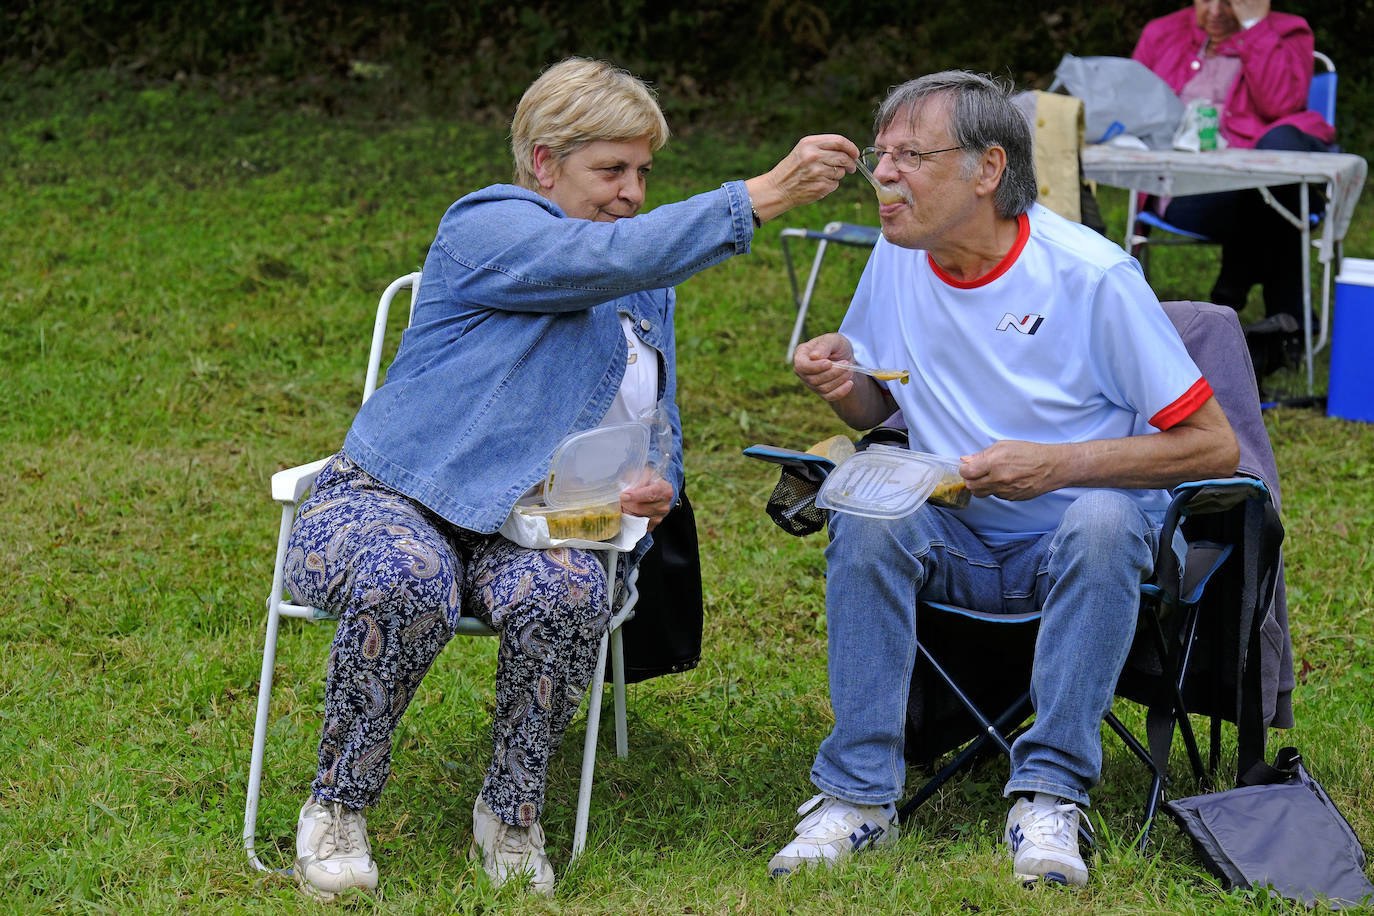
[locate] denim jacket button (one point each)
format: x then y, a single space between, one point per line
645 324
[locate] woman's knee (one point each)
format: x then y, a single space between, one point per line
564 587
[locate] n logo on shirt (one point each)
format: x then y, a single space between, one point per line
1027 325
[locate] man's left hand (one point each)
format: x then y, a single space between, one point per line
1011 469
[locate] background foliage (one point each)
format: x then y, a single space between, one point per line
777 59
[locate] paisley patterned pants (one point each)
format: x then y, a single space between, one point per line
398 577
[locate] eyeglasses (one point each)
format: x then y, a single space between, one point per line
906 160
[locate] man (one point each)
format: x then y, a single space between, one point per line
1038 353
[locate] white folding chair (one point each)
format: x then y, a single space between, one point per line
288 487
852 234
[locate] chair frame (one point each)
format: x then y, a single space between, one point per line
852 234
288 487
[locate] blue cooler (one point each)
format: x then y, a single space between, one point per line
1350 392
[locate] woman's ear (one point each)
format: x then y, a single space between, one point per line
545 167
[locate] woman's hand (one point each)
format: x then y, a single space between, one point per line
812 170
1246 10
651 499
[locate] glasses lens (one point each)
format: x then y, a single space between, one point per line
907 160
869 157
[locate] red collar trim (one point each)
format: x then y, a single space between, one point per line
1022 235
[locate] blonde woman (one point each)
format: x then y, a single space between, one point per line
546 308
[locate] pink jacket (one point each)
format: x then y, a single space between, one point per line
1276 69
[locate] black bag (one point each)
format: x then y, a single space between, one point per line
664 635
1278 828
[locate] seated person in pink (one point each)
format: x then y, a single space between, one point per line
1255 66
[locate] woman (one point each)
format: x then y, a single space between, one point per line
1255 66
545 308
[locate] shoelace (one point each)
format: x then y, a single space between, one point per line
345 834
519 840
822 819
1051 827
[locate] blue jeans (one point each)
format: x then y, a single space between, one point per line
1086 577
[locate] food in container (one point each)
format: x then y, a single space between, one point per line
589 523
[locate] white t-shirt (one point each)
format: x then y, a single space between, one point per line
1062 342
639 389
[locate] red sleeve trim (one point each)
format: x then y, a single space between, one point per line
1022 235
1183 408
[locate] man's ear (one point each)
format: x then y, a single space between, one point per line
991 167
545 166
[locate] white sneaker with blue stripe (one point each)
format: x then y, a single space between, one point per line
833 830
1043 835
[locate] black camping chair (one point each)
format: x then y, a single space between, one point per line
1190 643
1203 632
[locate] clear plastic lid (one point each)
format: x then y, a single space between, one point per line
882 481
595 465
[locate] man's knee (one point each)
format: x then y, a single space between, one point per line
1104 523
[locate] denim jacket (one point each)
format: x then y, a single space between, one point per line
515 342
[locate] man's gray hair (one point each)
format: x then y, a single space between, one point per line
982 115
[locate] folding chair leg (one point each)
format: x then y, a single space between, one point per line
584 789
250 809
1016 711
622 744
1157 776
804 303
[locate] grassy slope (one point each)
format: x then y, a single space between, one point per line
188 289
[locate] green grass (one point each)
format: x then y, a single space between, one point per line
188 286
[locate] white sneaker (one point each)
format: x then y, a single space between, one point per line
1043 835
508 852
834 829
332 851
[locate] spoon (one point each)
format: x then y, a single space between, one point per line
884 375
887 194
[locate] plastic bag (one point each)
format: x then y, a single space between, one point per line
1120 95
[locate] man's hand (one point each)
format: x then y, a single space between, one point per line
812 362
812 170
856 399
1012 470
651 499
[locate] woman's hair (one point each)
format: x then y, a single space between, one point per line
578 101
982 116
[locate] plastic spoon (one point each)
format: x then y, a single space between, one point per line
887 194
883 375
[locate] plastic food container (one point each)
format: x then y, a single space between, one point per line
950 492
884 481
581 496
592 467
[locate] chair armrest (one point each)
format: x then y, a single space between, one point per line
289 486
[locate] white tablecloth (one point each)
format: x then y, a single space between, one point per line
1176 173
